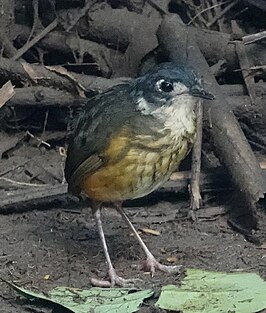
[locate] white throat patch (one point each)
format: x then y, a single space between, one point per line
179 117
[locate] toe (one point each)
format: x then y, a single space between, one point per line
151 264
100 283
121 282
115 280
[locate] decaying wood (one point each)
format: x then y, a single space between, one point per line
40 75
229 141
34 197
116 40
245 65
45 97
50 196
106 60
254 89
233 90
43 196
216 46
118 29
103 24
123 30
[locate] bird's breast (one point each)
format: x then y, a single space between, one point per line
135 166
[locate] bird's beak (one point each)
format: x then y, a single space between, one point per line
198 91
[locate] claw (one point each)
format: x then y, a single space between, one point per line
151 264
115 280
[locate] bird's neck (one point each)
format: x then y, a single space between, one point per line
179 118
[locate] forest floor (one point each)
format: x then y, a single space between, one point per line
42 249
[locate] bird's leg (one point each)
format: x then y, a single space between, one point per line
114 278
151 264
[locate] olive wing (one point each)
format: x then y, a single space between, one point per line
102 117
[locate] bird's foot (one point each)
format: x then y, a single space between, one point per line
114 280
151 265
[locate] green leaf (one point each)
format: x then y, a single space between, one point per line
96 300
210 292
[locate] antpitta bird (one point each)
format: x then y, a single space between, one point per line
128 141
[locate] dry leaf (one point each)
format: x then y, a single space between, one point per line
263 164
171 259
6 92
180 176
150 231
62 71
30 71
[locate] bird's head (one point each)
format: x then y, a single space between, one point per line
168 85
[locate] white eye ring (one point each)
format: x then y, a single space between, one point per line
165 86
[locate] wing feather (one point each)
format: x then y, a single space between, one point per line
90 165
101 118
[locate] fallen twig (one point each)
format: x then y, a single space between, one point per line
14 71
17 183
206 9
38 96
33 41
195 197
249 39
222 13
106 59
245 66
49 196
28 199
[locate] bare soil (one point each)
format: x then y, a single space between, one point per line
48 248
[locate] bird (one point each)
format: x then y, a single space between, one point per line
126 143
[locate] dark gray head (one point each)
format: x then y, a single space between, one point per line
168 81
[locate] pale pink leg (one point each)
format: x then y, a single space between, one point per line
151 264
114 279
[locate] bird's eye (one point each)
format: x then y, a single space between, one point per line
166 86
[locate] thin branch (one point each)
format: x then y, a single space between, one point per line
195 197
18 183
254 37
36 39
223 12
83 11
207 9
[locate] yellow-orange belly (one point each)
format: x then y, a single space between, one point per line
136 173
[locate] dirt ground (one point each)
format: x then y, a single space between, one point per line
43 249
